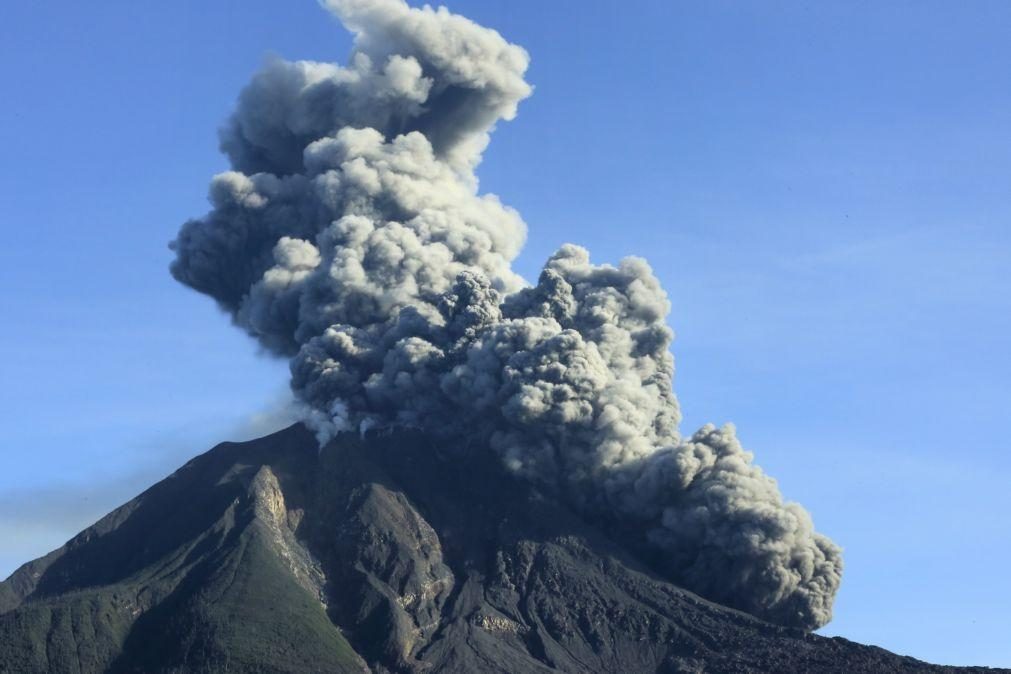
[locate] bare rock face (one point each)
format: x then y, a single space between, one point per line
384 554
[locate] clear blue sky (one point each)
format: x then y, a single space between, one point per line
823 187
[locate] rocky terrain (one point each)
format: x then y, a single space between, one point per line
374 555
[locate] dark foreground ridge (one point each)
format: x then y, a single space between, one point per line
374 555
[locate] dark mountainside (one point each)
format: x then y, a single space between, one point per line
375 555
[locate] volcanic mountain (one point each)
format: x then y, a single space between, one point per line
379 553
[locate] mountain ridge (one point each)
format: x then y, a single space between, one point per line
386 553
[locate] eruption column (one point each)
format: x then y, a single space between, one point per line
351 237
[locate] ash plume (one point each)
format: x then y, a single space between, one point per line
351 237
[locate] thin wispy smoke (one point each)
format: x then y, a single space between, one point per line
351 237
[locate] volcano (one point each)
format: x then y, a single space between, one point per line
379 553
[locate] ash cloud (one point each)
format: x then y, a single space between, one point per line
351 237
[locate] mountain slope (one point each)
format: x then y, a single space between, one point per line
373 555
199 572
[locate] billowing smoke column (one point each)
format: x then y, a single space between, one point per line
350 237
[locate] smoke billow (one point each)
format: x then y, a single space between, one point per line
351 237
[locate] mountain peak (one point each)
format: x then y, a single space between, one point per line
373 554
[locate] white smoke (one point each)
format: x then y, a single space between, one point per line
351 237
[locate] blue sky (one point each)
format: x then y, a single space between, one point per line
821 187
